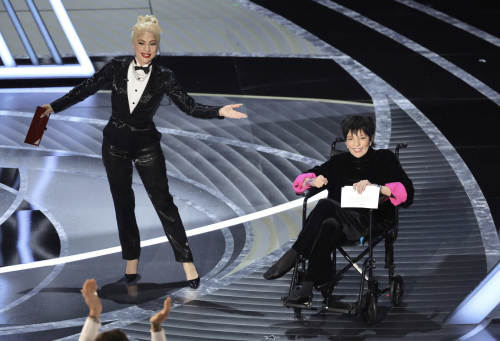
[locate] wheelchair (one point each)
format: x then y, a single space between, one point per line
366 305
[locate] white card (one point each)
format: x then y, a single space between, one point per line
367 199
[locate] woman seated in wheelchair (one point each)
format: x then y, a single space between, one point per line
329 225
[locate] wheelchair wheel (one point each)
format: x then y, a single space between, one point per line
297 312
369 308
397 290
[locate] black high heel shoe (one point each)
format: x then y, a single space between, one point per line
282 266
275 272
194 283
132 277
292 299
303 295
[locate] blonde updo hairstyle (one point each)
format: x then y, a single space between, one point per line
147 23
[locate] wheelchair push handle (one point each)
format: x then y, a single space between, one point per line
399 146
337 140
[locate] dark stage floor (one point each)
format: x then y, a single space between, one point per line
425 79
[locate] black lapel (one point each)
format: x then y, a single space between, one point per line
154 83
121 81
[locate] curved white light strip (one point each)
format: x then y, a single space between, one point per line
154 241
479 303
85 68
452 21
476 331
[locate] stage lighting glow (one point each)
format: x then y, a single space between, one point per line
24 234
45 71
480 302
45 33
5 54
85 69
70 32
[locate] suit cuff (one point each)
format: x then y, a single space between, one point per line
398 190
219 116
63 103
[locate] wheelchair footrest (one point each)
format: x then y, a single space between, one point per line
342 307
301 306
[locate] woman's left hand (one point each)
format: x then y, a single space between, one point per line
228 111
360 186
157 319
48 110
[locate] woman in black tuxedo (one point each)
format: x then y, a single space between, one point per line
138 87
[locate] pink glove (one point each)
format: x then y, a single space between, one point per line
398 191
297 184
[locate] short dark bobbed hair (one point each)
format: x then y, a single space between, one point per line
112 335
355 123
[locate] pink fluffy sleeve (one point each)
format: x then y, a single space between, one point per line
398 191
297 184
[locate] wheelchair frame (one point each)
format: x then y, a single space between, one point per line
367 302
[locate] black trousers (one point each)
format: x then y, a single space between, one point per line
122 145
327 226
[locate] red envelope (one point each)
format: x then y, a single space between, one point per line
37 127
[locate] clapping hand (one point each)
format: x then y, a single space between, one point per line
158 318
228 111
319 182
89 292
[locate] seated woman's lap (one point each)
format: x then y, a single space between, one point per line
328 225
338 222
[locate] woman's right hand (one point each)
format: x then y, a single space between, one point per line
89 292
319 182
48 110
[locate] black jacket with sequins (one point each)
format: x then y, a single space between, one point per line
162 81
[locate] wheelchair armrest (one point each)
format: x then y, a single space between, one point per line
310 192
382 199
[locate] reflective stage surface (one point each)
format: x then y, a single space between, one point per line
427 72
56 206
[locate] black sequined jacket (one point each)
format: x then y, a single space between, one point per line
162 81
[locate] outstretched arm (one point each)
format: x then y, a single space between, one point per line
85 89
188 105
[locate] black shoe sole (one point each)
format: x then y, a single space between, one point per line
305 300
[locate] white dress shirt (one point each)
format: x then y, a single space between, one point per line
91 330
134 87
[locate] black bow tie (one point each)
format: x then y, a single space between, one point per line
143 68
